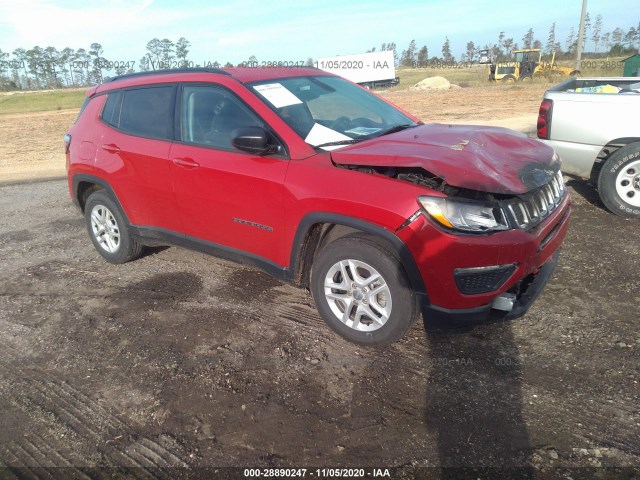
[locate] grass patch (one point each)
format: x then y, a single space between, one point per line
20 102
478 75
469 76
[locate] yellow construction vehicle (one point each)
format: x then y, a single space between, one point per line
527 64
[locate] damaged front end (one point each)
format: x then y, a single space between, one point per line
473 211
475 158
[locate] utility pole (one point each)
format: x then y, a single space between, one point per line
581 34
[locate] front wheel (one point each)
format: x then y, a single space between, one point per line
619 182
362 292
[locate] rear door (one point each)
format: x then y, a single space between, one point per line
134 153
225 196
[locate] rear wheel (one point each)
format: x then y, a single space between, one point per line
508 79
362 291
525 79
619 182
108 230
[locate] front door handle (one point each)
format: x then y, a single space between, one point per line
110 147
186 162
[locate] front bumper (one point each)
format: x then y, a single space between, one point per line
523 301
439 255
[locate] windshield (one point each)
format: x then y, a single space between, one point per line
330 112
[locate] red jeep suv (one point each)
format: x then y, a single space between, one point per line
323 184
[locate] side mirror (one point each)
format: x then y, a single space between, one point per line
253 140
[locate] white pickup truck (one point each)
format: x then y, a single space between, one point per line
597 136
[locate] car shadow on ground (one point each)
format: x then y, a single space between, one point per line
587 191
474 402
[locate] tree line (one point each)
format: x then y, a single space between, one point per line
615 42
48 68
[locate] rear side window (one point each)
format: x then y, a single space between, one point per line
145 112
111 109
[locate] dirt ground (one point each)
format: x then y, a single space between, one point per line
180 362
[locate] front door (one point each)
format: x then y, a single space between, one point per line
225 196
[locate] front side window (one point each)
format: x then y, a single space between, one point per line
326 110
210 114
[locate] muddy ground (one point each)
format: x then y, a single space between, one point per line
183 360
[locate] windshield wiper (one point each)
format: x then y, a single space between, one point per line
396 128
340 142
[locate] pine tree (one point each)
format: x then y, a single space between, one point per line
182 49
597 28
408 58
551 40
471 51
446 50
527 40
423 56
508 46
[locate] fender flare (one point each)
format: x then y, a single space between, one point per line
398 246
83 177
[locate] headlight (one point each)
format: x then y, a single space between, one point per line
464 215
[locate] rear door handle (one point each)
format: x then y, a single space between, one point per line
110 147
186 162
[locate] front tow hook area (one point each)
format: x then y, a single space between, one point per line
504 302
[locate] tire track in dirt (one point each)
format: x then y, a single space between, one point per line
43 455
297 312
35 453
91 422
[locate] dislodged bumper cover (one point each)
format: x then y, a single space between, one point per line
487 159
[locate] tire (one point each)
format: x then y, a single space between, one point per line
575 73
508 79
108 229
526 79
363 311
619 182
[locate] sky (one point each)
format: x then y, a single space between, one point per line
276 30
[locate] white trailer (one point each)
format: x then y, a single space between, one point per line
375 69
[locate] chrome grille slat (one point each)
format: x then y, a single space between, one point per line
528 212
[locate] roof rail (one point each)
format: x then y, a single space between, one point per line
168 71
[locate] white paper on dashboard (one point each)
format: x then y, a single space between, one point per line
277 95
363 130
320 134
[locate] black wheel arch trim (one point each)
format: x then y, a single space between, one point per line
83 177
406 258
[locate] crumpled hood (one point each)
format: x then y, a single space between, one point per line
488 159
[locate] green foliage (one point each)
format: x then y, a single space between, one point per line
618 49
446 50
423 56
408 58
20 102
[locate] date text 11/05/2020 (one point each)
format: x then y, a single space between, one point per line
317 472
